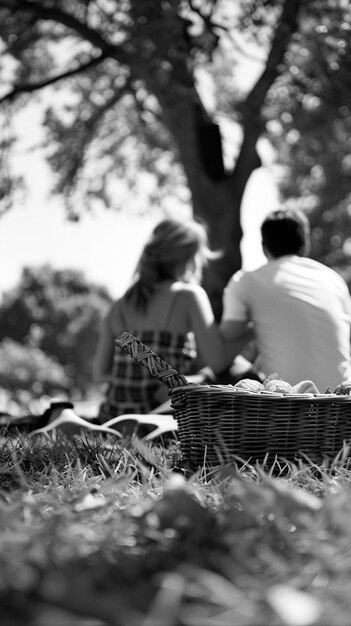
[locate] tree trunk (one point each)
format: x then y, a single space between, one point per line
216 195
219 206
166 64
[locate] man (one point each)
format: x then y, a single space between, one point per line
299 309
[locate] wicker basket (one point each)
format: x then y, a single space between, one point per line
219 423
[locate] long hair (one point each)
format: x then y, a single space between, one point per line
172 248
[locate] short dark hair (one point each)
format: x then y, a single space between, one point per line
285 231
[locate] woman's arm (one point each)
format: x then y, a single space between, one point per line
103 359
214 350
236 335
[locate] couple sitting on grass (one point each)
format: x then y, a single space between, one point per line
296 310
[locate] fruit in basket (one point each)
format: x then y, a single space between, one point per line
278 386
249 384
343 390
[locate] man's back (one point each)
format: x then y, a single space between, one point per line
301 314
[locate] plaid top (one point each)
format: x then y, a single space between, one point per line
133 389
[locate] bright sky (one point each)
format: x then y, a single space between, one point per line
104 245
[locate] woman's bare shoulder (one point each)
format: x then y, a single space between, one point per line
114 313
187 288
115 306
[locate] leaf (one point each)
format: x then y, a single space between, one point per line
145 450
90 501
294 607
165 606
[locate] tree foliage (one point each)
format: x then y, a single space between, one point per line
311 127
55 314
130 101
26 372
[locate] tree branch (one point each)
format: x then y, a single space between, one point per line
52 13
30 87
251 108
286 27
82 142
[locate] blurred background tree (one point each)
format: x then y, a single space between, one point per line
27 374
147 91
130 98
310 128
49 326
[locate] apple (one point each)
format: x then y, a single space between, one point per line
279 386
343 390
248 384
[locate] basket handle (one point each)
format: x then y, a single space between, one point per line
148 358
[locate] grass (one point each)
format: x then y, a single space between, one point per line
97 533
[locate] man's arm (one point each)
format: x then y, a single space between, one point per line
236 336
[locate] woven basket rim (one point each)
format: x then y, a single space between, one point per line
263 395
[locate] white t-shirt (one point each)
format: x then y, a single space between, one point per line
301 311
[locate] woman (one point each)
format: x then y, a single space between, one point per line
167 309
